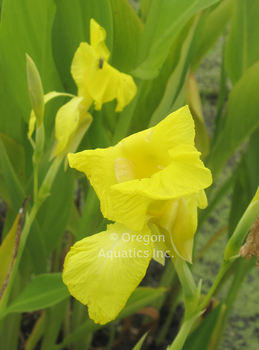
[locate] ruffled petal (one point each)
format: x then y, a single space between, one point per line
99 166
142 169
103 270
184 175
108 83
97 40
100 82
66 122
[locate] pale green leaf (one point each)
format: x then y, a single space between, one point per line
241 120
242 49
43 291
165 20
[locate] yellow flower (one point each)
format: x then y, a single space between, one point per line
97 82
146 169
151 184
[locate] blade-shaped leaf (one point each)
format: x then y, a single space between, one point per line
54 214
200 337
127 28
242 119
214 26
9 249
242 49
246 182
164 21
26 28
140 342
43 291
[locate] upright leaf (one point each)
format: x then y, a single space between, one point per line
242 49
242 119
43 291
246 183
201 336
26 28
165 19
214 26
127 29
9 249
54 214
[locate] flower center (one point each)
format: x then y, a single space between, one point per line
126 169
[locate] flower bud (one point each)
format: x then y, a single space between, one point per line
35 90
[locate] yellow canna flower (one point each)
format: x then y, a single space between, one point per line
151 184
145 170
97 83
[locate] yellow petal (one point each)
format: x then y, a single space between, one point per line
66 122
101 84
157 164
159 244
84 64
179 219
103 270
108 83
98 36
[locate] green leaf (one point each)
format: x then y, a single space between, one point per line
54 213
242 49
10 121
17 196
177 78
165 20
8 251
15 152
155 89
242 119
200 337
13 184
140 342
246 183
43 291
26 28
71 27
127 29
214 26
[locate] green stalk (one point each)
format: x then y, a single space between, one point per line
224 268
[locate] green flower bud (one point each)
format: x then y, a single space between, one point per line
35 90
